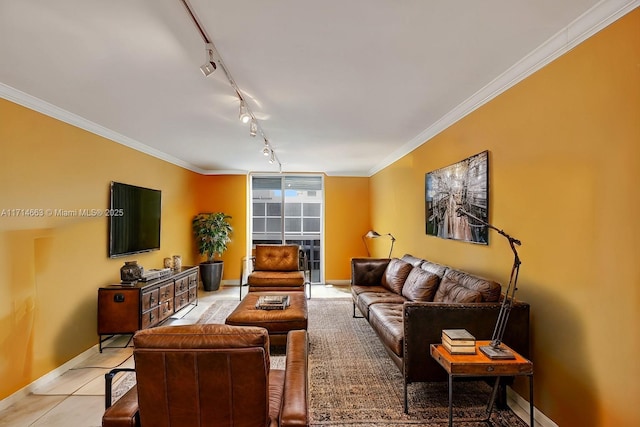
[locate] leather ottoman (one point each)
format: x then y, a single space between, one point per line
277 322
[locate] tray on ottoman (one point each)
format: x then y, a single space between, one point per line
277 322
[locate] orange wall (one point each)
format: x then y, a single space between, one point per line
346 220
51 266
228 194
564 160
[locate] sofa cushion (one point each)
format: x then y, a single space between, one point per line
357 290
414 261
452 292
420 285
395 275
366 299
386 320
458 286
434 268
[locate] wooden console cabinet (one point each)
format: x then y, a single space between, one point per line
127 309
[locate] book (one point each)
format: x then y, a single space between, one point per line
272 302
273 299
448 340
458 335
459 349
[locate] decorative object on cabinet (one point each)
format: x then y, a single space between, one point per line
464 184
167 262
212 232
177 262
130 272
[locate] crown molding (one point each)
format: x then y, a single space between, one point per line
595 19
36 104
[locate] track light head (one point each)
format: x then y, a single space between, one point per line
244 115
266 150
210 66
253 128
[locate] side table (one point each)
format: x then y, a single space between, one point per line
479 365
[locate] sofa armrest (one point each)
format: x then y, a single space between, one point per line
368 271
295 398
424 322
123 413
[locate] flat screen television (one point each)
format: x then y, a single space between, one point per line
134 219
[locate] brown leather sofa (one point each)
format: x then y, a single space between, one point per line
409 301
213 375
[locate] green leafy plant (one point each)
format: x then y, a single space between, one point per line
212 232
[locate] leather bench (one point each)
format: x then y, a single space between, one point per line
277 322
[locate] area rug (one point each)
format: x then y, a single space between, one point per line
354 383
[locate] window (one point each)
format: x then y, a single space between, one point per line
288 209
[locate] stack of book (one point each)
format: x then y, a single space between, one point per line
272 302
458 341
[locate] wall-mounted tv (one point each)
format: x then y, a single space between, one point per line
134 220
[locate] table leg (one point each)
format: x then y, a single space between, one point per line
492 399
450 400
531 422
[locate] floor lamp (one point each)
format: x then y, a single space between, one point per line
374 235
495 350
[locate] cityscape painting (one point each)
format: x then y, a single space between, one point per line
454 189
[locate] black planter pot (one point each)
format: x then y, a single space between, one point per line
211 275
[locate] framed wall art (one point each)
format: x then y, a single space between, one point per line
463 185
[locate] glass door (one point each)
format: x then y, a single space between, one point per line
289 209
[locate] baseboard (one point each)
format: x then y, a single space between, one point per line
520 407
47 378
339 282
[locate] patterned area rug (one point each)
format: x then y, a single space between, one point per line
354 383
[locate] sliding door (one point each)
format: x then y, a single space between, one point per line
288 209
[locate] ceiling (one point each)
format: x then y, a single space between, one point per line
340 87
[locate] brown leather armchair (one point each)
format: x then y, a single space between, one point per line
277 268
213 375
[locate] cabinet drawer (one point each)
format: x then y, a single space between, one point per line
166 292
165 309
181 300
149 299
182 285
150 318
193 294
193 280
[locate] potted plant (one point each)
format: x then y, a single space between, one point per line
212 231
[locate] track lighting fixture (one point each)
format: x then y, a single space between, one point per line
244 115
210 66
214 60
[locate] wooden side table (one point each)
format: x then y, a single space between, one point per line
479 365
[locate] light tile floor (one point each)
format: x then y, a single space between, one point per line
76 398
